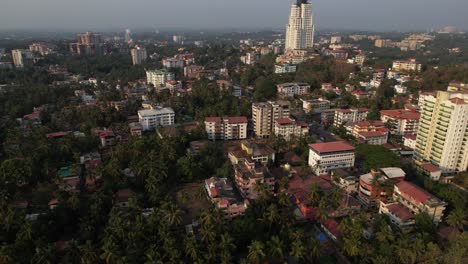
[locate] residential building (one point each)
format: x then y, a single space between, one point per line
360 59
327 117
226 128
409 141
173 63
317 106
136 129
418 200
335 39
401 121
407 65
221 192
138 54
300 28
21 57
431 171
399 215
159 78
337 54
192 71
288 128
325 157
377 184
150 119
264 114
285 68
443 134
252 151
457 87
251 58
292 89
248 174
42 48
87 44
178 39
384 43
368 132
344 116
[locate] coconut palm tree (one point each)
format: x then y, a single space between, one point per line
275 248
256 252
457 218
298 250
191 249
88 253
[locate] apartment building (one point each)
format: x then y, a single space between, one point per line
376 185
292 89
344 116
325 157
151 118
401 121
248 174
418 200
226 128
285 68
159 78
138 54
289 128
173 63
250 150
318 106
407 65
264 114
42 48
21 57
368 132
443 134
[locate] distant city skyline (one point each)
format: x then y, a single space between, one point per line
376 15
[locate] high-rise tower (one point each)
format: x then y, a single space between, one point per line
300 28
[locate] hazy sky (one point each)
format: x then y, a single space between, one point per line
215 14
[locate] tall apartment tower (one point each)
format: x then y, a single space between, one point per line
300 28
265 114
20 57
138 55
442 137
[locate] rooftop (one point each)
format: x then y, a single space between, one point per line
401 212
417 194
401 114
330 147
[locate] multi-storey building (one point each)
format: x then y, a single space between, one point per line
21 57
288 128
221 193
87 44
150 119
159 78
42 48
249 150
344 116
318 106
285 68
264 114
173 63
248 174
325 157
401 121
406 65
417 200
457 87
138 55
327 117
226 128
300 29
292 89
443 134
376 185
368 132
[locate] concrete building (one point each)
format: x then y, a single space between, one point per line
325 157
42 48
407 65
300 28
335 39
318 106
248 174
289 128
221 193
443 134
264 114
226 128
252 151
368 132
87 44
159 78
292 89
344 116
150 119
173 63
21 57
377 185
285 68
401 121
409 141
138 54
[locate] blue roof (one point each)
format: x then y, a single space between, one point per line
322 237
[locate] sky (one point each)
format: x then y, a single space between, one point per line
388 15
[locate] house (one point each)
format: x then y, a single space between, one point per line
368 132
409 141
250 150
399 215
344 116
107 138
432 171
69 178
325 157
289 128
221 193
136 129
285 68
122 198
248 174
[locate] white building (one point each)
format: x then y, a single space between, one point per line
173 63
324 157
406 65
443 134
409 141
138 55
150 119
289 128
226 128
300 29
344 116
335 39
159 77
285 68
292 89
401 121
318 106
20 57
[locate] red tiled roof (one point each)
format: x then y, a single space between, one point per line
284 121
401 212
458 101
401 114
212 119
430 168
416 193
31 116
237 119
409 136
333 227
54 201
106 133
376 123
372 134
331 147
57 134
213 192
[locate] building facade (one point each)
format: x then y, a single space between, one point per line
226 128
325 157
344 116
150 119
264 114
288 128
138 55
292 89
159 78
401 121
300 28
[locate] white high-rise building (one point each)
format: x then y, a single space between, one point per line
159 78
21 57
443 134
300 29
128 35
138 55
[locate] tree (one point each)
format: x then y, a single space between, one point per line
457 218
256 252
276 248
264 89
